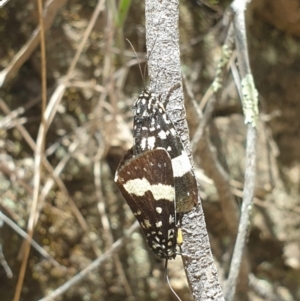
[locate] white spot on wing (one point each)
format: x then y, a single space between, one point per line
170 233
158 210
173 132
143 143
181 165
151 142
147 223
158 224
171 219
162 135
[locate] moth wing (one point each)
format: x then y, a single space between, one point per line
147 184
184 177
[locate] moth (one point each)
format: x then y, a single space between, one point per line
155 176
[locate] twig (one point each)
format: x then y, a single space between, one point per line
6 121
48 167
108 82
215 89
249 101
215 171
95 264
264 289
51 8
210 162
48 117
22 233
4 264
106 224
37 158
86 85
59 91
50 182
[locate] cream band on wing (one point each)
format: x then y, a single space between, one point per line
139 187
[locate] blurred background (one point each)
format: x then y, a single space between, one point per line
80 211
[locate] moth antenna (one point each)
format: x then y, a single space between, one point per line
142 75
168 281
150 52
175 87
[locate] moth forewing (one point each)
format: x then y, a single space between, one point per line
147 184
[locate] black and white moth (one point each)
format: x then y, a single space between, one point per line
155 176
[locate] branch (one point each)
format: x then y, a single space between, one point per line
164 71
249 102
51 8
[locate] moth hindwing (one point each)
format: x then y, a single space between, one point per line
147 184
152 129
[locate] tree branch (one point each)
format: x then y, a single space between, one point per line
164 71
249 102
